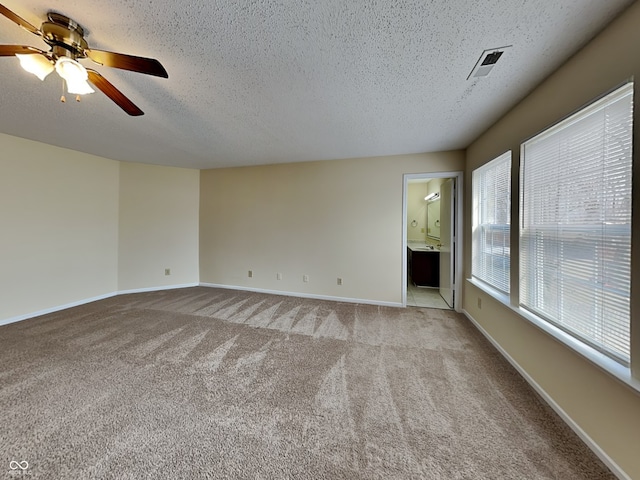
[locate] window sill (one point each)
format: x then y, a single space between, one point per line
621 372
494 292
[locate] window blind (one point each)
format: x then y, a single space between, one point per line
575 232
491 192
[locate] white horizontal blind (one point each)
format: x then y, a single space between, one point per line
491 185
575 232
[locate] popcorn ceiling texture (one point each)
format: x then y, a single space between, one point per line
271 81
210 383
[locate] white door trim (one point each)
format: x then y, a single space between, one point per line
458 273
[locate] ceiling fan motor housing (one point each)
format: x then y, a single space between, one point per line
65 36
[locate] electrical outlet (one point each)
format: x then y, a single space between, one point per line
479 303
250 275
339 281
278 276
305 278
167 271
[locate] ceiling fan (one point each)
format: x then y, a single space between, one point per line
66 39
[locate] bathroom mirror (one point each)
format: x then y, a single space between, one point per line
433 219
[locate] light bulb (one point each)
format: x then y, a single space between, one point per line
432 196
75 76
36 63
79 87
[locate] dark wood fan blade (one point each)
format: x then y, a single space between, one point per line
19 20
8 50
113 93
148 66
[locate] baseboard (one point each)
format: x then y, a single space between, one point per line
39 313
303 295
157 289
84 301
602 455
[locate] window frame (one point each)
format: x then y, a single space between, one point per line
481 228
566 228
626 374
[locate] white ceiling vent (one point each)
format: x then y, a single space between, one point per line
487 61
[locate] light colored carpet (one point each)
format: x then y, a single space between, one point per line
210 383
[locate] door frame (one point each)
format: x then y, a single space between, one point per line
457 251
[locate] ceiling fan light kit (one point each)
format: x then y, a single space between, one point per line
37 64
75 76
67 45
71 71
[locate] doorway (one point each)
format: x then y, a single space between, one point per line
432 248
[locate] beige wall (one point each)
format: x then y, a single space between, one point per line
158 226
322 219
76 227
607 410
416 210
433 212
65 214
59 226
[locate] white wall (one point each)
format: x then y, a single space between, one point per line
606 410
58 224
158 226
322 219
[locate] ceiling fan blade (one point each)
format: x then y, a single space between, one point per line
8 50
19 20
113 93
148 66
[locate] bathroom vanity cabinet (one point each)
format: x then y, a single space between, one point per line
423 267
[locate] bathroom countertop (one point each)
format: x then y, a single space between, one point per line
422 247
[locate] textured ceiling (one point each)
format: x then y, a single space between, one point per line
272 81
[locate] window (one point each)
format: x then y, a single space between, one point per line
491 191
575 224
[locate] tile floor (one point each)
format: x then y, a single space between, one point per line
425 297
